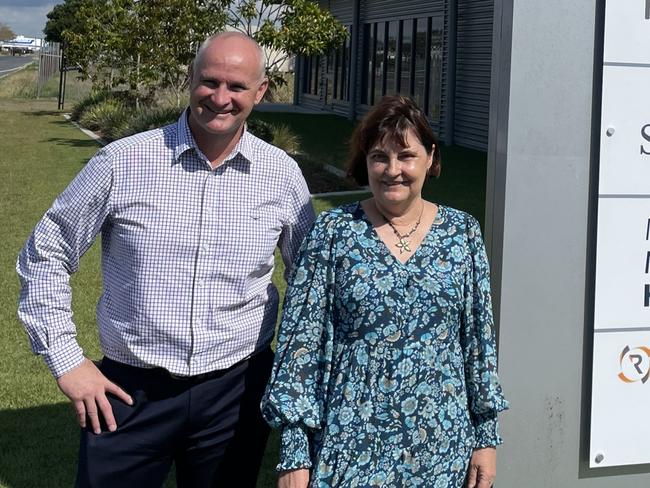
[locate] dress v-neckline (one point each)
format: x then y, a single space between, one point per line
437 220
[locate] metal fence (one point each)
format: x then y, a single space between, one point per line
49 64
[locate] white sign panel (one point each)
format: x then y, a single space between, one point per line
625 141
627 36
619 417
621 358
623 264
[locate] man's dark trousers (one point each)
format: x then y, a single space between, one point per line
210 426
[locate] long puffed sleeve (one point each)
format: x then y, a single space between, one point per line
479 345
296 394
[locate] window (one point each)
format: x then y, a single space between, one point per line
420 58
404 57
337 72
315 71
311 68
435 70
368 79
391 57
379 62
344 80
330 74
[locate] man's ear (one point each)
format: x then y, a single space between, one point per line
261 90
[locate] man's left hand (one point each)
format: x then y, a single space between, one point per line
482 468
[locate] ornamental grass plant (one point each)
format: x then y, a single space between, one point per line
285 138
20 84
109 117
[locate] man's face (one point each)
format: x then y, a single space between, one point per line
224 86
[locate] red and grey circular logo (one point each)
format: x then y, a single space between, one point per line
635 364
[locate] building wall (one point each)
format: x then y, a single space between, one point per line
457 72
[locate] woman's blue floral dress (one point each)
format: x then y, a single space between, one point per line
385 373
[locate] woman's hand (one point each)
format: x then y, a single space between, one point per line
482 468
296 478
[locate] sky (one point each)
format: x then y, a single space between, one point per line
26 17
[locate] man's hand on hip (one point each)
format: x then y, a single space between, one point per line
86 387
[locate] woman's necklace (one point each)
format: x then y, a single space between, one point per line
402 243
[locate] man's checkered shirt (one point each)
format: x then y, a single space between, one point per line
187 252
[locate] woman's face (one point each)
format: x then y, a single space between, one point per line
396 174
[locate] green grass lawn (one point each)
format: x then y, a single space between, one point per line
324 139
41 153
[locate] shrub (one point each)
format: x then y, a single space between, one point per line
127 99
115 123
85 103
285 138
109 117
261 129
150 118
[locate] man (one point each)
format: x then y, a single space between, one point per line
190 215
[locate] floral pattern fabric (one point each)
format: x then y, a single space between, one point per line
385 373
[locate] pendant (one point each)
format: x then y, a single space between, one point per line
403 245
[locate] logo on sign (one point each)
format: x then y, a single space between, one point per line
635 364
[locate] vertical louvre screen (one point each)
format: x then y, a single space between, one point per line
473 70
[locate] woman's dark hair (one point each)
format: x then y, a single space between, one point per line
390 120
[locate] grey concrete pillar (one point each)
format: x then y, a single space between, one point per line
540 233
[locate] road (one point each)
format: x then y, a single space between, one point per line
10 63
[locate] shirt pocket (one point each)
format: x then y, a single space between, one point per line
261 231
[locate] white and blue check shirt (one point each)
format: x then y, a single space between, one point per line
187 252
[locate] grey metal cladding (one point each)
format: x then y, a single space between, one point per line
343 10
473 65
378 10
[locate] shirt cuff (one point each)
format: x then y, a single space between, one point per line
486 430
64 358
294 449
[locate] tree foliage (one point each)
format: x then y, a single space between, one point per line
6 33
148 44
142 44
286 28
62 17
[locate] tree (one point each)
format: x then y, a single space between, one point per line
149 44
62 17
286 28
143 44
6 33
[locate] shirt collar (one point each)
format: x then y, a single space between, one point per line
185 141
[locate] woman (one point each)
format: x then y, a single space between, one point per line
385 370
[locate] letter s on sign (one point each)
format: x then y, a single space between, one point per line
645 133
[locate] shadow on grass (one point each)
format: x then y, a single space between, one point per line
40 113
73 142
39 448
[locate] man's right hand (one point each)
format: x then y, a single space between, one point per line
295 478
86 387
